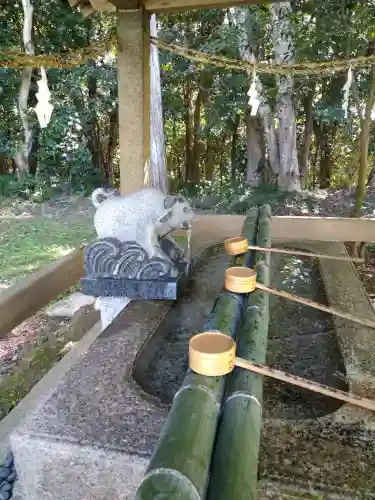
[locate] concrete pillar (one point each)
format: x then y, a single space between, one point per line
133 62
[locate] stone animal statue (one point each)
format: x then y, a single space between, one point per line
144 216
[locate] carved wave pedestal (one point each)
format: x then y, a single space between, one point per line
124 269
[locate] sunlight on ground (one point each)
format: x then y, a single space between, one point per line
58 252
27 245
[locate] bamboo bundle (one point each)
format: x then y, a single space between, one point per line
250 227
234 468
179 467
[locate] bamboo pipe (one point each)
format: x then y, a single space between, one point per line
240 245
214 354
243 280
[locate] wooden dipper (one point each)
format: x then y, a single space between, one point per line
240 279
240 245
236 246
213 354
243 280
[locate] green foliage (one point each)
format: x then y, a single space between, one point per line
204 107
72 151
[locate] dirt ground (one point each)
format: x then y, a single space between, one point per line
34 331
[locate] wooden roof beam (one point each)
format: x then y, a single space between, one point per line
173 5
89 6
126 4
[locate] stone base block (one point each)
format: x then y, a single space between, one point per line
68 306
116 286
58 470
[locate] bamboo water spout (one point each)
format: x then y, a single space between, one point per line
239 245
243 280
214 354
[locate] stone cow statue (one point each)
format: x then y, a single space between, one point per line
144 216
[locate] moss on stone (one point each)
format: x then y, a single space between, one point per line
40 359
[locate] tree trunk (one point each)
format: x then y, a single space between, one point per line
307 138
92 126
188 133
202 98
33 158
210 162
314 165
271 139
289 176
254 150
248 47
158 168
326 163
22 157
4 164
32 103
364 143
196 147
326 134
233 149
113 136
223 143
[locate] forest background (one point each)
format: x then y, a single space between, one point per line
303 133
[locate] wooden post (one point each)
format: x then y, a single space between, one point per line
133 64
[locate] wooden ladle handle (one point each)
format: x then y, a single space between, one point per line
307 254
239 245
295 298
306 384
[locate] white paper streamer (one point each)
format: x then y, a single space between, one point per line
254 101
44 108
346 89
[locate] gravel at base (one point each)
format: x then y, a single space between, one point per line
8 476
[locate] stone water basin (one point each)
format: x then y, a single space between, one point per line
305 451
302 340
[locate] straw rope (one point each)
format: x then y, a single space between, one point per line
307 68
16 59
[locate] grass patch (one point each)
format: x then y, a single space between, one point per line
14 387
26 245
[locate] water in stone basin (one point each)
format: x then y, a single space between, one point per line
162 365
301 340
